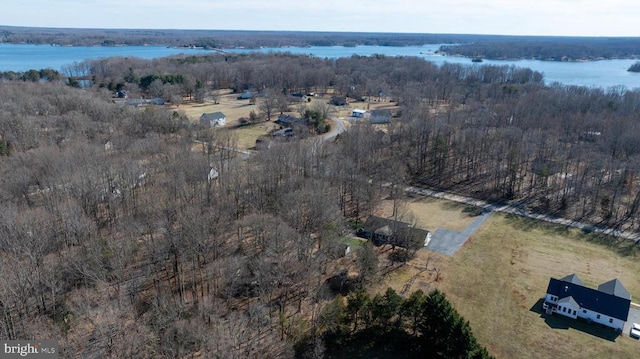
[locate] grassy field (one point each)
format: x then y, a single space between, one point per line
431 213
498 278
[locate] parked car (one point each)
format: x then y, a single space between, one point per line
635 331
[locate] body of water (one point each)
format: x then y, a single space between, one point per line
18 57
604 73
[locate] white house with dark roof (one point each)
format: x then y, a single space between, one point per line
213 119
608 305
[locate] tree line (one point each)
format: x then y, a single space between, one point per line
218 38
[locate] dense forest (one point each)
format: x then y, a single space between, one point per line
117 241
494 132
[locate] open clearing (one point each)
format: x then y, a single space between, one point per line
497 280
235 109
431 213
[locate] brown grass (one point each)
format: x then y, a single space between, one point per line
497 280
431 213
235 109
228 104
247 135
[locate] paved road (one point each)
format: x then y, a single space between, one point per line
337 128
448 242
518 210
634 317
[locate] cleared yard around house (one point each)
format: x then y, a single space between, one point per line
228 104
431 213
247 135
497 280
234 109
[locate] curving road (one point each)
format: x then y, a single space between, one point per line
336 129
518 210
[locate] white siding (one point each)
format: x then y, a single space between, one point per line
213 123
604 319
358 113
567 310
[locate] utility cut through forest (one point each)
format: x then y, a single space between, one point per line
117 240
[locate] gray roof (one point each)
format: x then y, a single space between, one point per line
213 116
572 278
386 231
380 116
569 300
381 112
392 230
375 223
614 287
288 120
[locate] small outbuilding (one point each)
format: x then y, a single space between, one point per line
358 113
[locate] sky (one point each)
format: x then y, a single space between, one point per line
500 17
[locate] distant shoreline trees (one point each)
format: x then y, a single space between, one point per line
547 49
635 67
486 46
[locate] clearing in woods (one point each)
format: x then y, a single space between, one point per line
497 280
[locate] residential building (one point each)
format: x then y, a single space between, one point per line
380 116
607 305
358 113
383 231
213 119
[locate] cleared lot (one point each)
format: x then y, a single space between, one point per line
497 279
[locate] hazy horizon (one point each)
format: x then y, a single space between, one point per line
585 18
